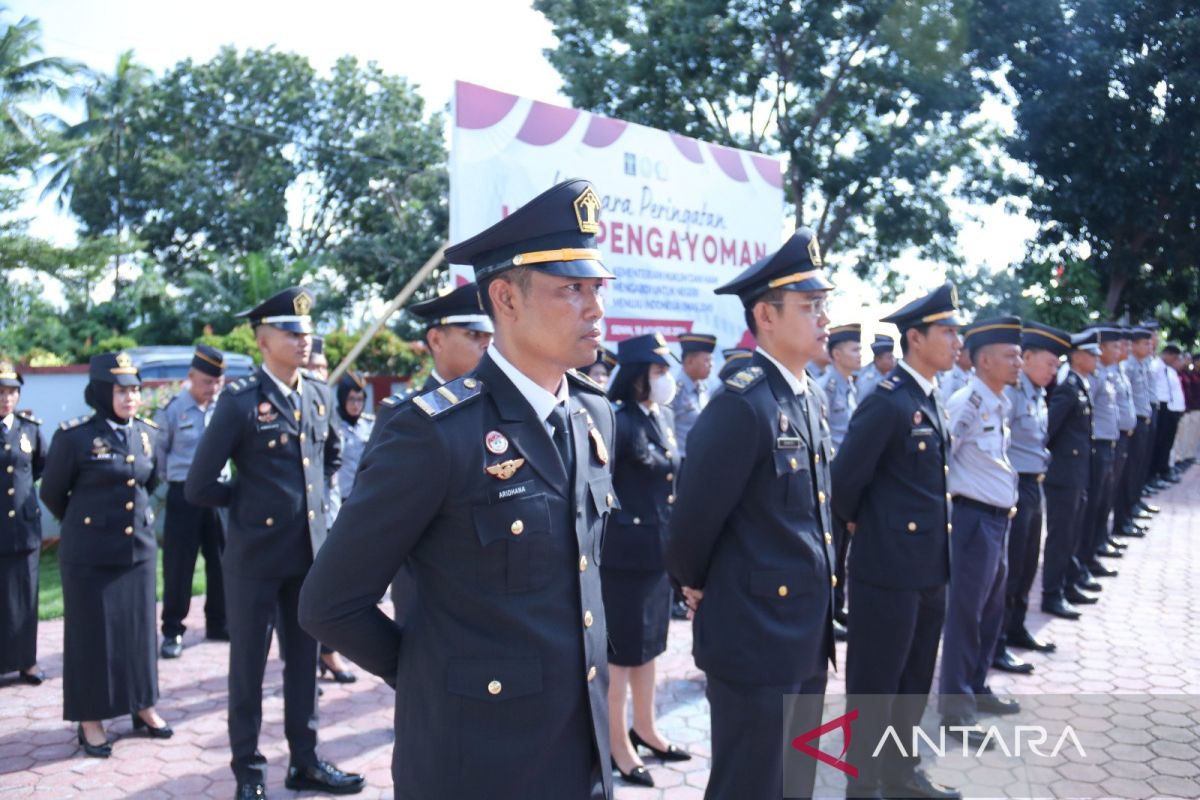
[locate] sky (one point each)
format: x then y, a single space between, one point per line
496 43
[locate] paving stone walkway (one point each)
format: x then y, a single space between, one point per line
1142 637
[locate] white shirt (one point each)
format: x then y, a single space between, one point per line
1175 399
927 386
9 421
1159 386
798 386
283 387
539 399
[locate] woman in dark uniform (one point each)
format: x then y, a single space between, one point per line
98 479
637 593
602 367
21 461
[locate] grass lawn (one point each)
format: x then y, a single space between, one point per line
50 600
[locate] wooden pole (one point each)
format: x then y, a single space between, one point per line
396 303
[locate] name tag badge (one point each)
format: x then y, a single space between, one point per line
267 426
183 426
925 430
787 442
504 491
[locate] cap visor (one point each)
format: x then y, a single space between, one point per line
483 326
574 269
292 327
817 283
127 380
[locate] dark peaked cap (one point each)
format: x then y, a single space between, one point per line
288 310
1045 337
697 343
554 233
797 267
208 360
459 307
939 307
996 330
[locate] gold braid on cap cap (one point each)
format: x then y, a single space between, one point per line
1048 335
998 326
563 254
209 359
795 277
938 316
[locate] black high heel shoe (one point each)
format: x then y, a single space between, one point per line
139 724
672 753
34 678
638 776
341 676
93 750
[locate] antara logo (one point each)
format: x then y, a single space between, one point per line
801 743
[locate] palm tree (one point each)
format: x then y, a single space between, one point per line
26 76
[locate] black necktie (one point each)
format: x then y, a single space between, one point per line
562 437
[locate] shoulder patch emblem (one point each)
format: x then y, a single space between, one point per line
976 400
242 384
25 415
886 384
577 377
149 422
451 395
75 423
744 379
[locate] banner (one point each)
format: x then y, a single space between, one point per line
679 217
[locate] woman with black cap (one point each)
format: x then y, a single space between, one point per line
99 475
600 369
637 592
21 459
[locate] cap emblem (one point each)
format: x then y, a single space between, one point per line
587 211
302 304
814 252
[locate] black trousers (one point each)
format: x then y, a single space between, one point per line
256 602
1119 468
1099 504
1024 548
1065 506
190 529
841 541
1168 426
747 754
1129 489
892 651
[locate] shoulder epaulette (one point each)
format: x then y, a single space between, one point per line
743 379
311 376
76 422
242 384
393 400
25 415
148 421
584 382
975 399
454 394
368 417
887 384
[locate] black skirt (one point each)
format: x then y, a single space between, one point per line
637 609
18 610
110 658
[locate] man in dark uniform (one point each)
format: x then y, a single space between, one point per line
275 427
1041 348
495 487
736 359
882 363
751 541
1069 439
889 486
190 529
23 458
845 353
1130 510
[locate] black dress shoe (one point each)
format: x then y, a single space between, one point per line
339 675
172 647
672 753
1024 640
1078 598
679 610
34 678
842 616
93 750
1132 531
1106 551
1088 584
919 785
1147 508
1143 515
638 776
217 635
1101 571
165 732
840 634
1058 607
1007 661
251 791
323 777
989 703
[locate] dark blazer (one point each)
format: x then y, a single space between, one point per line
100 488
276 499
889 477
21 463
1069 433
392 404
645 465
752 529
504 653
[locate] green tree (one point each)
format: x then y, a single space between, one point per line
27 76
871 101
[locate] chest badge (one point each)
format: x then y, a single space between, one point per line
26 445
100 447
783 423
505 469
146 448
984 416
917 417
320 411
265 414
598 443
496 443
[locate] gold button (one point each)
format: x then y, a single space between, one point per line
920 445
592 673
283 438
1074 452
129 506
949 528
11 491
670 499
793 463
588 619
494 687
305 462
608 498
131 482
1012 512
912 526
833 580
129 530
87 520
518 527
12 513
829 538
667 454
946 469
270 521
129 459
309 487
816 458
312 515
782 591
1041 477
820 497
948 498
637 520
583 563
301 436
670 477
271 443
470 383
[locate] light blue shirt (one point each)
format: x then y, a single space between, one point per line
843 399
1104 404
868 378
954 379
1138 370
182 423
979 467
690 399
1126 415
1028 423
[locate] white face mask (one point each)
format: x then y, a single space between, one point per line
662 389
